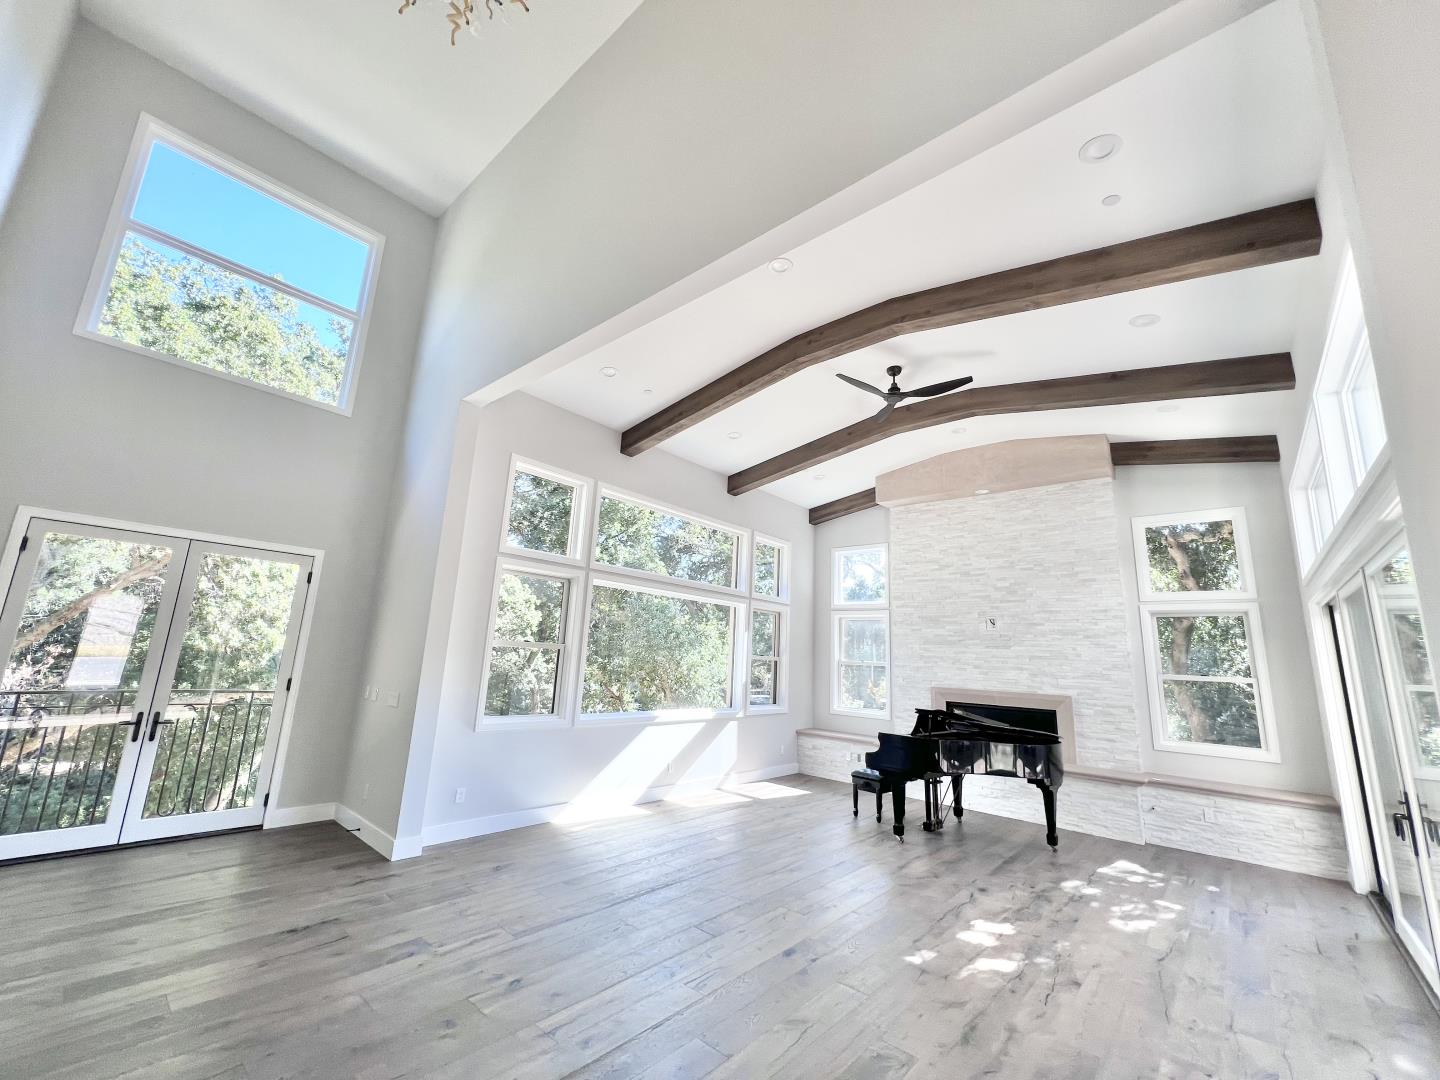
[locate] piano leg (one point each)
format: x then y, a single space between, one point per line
855 799
1051 838
879 805
956 783
929 823
897 803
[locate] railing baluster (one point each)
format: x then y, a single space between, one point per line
220 796
30 787
195 773
105 771
235 789
210 768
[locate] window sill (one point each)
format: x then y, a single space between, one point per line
864 714
1216 750
679 716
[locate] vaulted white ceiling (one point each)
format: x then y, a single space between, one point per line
1227 125
382 92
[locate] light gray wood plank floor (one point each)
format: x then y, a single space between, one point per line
756 934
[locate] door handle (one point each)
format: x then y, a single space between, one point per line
1399 821
155 723
136 725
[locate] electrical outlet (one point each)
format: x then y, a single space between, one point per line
1211 817
392 698
459 794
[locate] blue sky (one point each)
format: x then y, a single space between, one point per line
185 198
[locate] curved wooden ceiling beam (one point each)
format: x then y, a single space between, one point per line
1259 238
1213 378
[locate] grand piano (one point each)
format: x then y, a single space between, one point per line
957 742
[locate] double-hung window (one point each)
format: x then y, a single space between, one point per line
208 264
1203 638
860 642
769 624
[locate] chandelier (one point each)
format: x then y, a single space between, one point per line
461 14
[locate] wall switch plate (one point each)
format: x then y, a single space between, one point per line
990 623
392 698
1211 817
459 794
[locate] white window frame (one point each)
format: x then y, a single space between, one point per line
836 600
1269 749
782 568
1313 522
148 131
579 513
739 585
569 646
1235 514
781 657
838 618
636 581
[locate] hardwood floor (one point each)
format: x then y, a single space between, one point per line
764 933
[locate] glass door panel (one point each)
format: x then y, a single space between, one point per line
210 740
1410 679
84 626
1397 852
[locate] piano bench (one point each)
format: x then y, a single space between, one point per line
872 781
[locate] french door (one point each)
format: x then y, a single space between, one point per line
1391 690
143 684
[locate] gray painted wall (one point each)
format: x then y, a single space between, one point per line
867 527
508 771
1150 490
653 161
89 428
32 38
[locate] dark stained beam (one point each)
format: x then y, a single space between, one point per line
1196 451
1213 378
1259 238
838 508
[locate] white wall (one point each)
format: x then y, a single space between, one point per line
89 428
32 37
1149 490
867 527
1381 86
592 208
508 772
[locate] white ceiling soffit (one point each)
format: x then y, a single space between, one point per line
381 92
1226 125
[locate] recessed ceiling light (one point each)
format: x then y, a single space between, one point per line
957 431
819 476
982 491
781 265
1142 321
647 390
1100 148
732 435
609 372
1169 407
1110 200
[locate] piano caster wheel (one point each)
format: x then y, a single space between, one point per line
877 819
1054 843
856 813
927 826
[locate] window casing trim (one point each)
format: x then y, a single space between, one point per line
148 131
782 656
838 618
836 601
1269 749
566 667
739 645
581 525
1235 514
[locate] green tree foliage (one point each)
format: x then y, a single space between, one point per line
1193 557
529 613
540 510
862 576
767 569
651 652
194 310
643 538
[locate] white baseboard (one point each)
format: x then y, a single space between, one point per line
405 848
539 815
284 816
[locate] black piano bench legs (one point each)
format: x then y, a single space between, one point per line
880 784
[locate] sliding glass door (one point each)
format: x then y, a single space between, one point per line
1391 691
143 684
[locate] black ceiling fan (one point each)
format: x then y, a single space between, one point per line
895 395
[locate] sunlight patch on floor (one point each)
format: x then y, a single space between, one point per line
618 787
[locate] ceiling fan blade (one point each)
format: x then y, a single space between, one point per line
885 410
936 389
863 386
